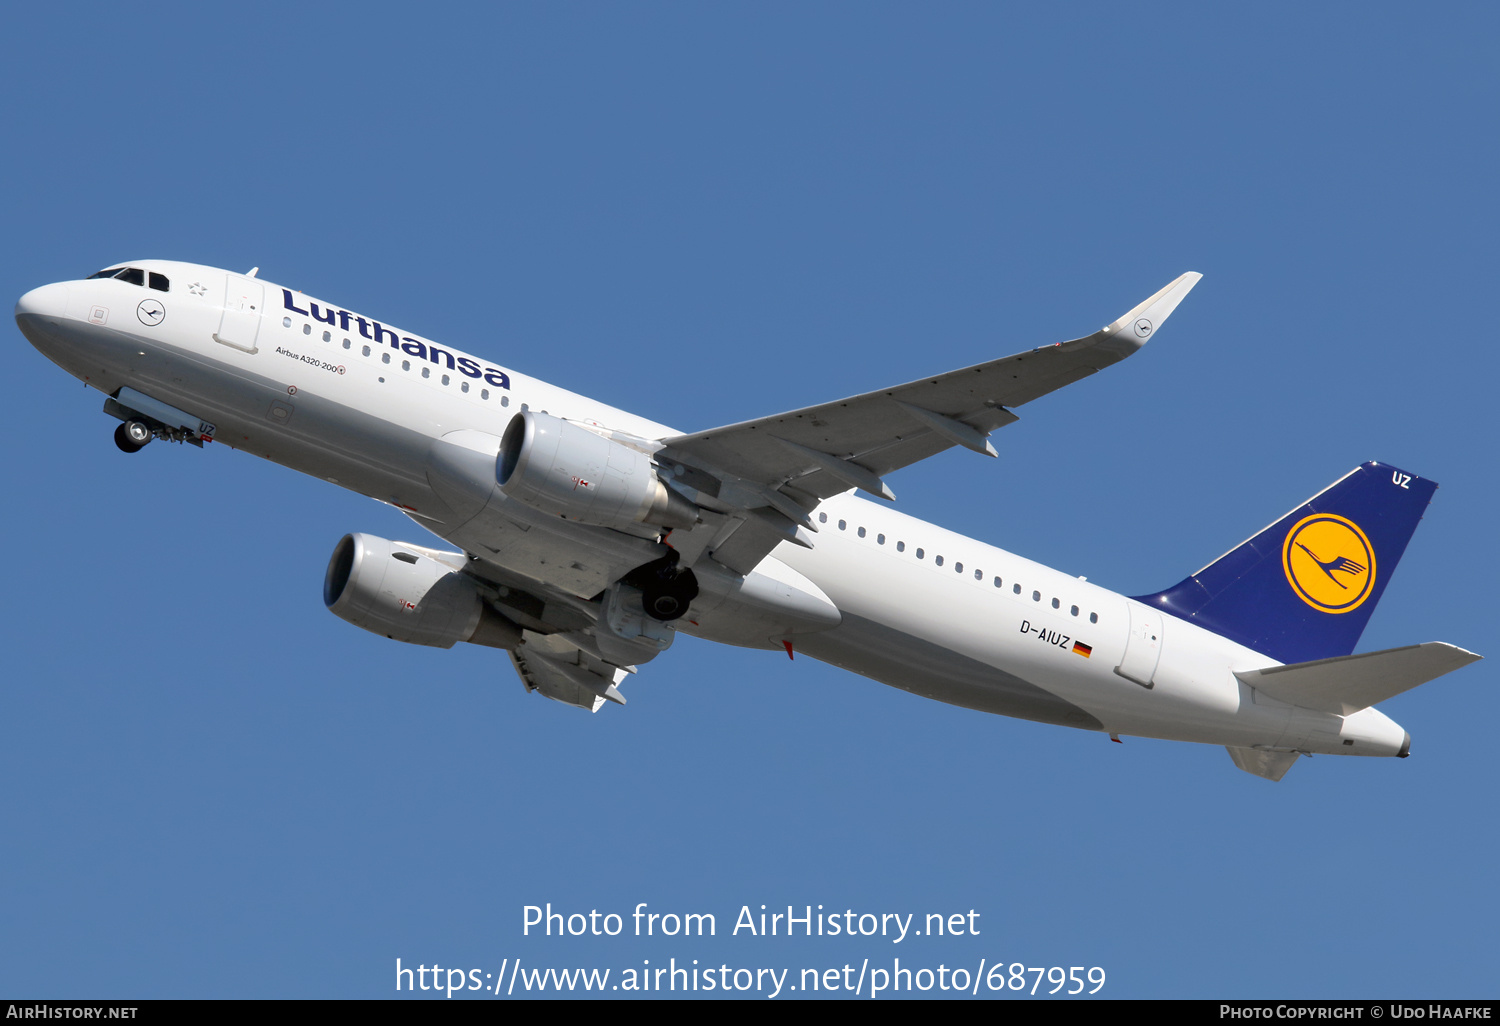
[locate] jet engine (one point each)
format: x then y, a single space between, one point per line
564 468
403 592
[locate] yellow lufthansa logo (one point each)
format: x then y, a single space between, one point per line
1329 562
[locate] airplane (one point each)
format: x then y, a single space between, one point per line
588 537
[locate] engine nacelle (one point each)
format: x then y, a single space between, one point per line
564 468
400 591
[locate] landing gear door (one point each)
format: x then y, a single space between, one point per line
244 298
1143 646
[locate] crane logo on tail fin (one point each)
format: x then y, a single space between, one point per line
1329 562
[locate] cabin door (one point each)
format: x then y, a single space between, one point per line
244 298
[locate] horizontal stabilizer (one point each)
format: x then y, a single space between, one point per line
1347 684
1271 765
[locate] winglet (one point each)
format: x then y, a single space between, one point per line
1141 323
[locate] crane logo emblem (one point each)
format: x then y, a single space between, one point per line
1329 562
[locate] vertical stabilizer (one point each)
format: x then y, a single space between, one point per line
1304 588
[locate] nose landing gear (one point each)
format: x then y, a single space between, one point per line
145 418
132 436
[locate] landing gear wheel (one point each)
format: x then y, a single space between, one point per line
666 592
664 605
132 436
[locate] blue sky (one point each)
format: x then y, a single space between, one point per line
212 787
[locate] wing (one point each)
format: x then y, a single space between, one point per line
763 476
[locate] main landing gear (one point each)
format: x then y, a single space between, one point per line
666 591
132 436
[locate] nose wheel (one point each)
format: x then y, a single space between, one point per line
132 436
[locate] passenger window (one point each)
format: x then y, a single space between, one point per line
132 276
159 282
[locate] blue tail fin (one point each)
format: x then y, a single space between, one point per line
1305 587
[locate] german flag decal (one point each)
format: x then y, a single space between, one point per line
1079 648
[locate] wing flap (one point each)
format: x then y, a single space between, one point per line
759 533
1347 684
566 673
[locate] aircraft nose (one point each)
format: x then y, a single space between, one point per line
49 301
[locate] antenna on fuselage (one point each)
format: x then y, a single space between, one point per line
253 272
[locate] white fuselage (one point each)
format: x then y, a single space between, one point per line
361 404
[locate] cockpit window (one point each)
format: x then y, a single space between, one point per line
133 275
